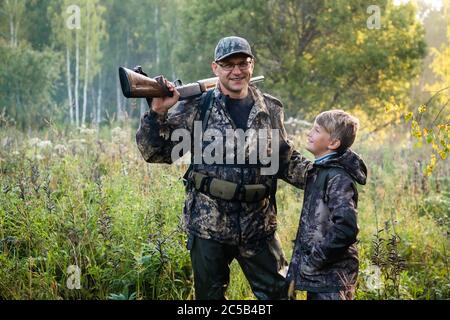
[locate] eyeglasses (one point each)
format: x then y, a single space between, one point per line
244 65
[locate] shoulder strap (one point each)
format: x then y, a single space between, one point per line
206 103
205 108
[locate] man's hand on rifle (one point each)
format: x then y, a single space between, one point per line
162 105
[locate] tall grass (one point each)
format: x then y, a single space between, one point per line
87 198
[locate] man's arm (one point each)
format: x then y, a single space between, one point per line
296 169
153 137
293 166
342 197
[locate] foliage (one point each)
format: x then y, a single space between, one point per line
70 202
88 199
315 55
27 79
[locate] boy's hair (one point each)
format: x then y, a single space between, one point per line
340 125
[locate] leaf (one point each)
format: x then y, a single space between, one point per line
428 135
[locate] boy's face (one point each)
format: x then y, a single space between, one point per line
319 141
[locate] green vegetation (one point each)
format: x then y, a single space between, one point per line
88 199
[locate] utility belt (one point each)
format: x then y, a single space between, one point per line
227 190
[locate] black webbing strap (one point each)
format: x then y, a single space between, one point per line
205 110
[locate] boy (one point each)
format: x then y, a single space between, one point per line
325 258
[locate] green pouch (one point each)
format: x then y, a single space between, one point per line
255 192
222 189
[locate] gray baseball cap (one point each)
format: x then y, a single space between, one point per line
231 45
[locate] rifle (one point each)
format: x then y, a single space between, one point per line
136 85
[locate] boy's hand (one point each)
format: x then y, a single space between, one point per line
311 265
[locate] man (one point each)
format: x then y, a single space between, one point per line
224 225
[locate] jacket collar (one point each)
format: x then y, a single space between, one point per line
259 106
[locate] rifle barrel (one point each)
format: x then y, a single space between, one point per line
191 90
257 79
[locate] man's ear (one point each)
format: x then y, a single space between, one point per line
214 68
334 144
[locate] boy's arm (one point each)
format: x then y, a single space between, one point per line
153 137
342 201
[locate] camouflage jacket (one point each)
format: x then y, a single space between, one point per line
325 257
230 222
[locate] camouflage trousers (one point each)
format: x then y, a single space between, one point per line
340 295
211 261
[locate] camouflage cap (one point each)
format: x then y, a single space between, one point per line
231 45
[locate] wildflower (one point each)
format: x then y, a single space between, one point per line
60 149
44 144
33 141
88 132
118 134
77 141
430 167
6 142
116 131
415 129
442 154
408 116
38 157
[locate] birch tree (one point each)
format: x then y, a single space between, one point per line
14 10
79 28
94 32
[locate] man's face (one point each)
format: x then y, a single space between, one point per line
234 74
319 141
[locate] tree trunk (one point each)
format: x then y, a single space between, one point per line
118 94
11 25
142 107
17 22
69 85
118 90
157 37
14 11
77 80
99 100
125 102
86 77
